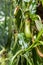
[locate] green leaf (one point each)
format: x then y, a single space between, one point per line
26 0
38 23
42 2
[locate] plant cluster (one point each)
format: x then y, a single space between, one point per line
21 33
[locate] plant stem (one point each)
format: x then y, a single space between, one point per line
20 51
37 39
28 49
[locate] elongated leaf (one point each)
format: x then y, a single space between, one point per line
38 25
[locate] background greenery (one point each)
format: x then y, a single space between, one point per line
15 47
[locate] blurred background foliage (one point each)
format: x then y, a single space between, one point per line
15 47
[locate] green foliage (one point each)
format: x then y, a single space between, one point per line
15 47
